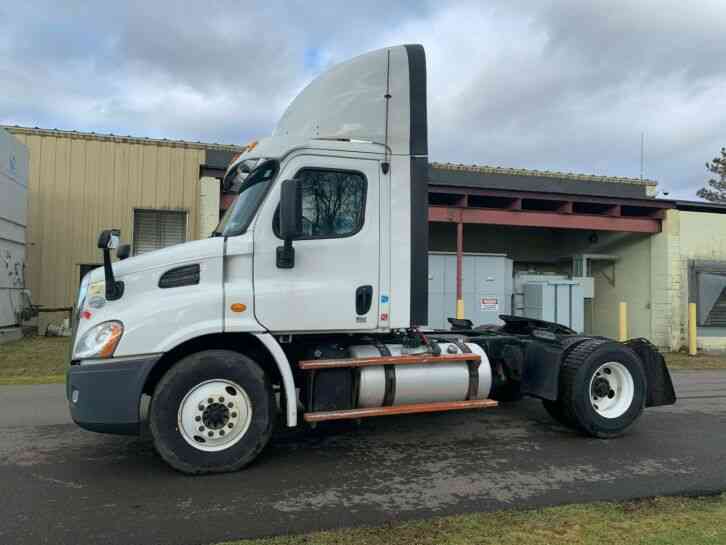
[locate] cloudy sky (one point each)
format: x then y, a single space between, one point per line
557 85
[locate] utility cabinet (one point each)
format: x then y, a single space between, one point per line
560 301
13 220
486 284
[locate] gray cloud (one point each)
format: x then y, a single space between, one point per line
559 85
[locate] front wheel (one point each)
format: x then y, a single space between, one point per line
212 412
602 389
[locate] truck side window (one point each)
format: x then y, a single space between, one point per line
333 203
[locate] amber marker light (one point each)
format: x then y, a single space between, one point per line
238 307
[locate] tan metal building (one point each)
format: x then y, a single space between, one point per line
158 192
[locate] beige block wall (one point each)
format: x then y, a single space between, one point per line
667 330
80 184
208 205
702 236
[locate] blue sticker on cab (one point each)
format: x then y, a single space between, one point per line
384 298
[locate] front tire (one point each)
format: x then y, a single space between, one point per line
212 412
602 389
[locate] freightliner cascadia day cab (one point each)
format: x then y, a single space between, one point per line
309 301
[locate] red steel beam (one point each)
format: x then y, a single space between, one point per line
540 196
531 218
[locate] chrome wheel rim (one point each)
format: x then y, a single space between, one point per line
612 390
214 415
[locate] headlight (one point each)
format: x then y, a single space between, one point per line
99 341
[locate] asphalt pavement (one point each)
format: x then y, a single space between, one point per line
60 484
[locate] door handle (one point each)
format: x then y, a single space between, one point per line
363 299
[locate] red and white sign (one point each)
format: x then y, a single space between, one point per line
489 304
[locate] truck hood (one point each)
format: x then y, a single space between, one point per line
189 252
156 319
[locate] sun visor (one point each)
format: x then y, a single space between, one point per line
349 102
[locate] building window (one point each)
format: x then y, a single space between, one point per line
154 229
708 291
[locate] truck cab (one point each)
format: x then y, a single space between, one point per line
308 301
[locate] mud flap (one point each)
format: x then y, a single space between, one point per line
541 373
660 385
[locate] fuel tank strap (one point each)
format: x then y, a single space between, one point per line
473 391
390 373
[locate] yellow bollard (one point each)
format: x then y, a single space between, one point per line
692 330
623 321
460 309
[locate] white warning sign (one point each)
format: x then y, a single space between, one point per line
489 304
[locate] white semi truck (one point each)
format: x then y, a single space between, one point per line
309 301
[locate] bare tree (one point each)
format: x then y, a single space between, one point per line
715 190
336 199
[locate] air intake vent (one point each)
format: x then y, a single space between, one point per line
717 315
187 275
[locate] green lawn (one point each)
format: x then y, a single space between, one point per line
681 360
656 521
33 360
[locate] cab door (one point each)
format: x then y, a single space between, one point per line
334 283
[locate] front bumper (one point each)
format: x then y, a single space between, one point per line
105 397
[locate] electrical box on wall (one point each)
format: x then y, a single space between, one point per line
588 285
487 286
560 301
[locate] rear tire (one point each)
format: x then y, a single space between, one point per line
554 409
212 412
602 389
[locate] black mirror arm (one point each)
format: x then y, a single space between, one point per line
114 288
123 251
107 240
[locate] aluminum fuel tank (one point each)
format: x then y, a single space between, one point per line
425 383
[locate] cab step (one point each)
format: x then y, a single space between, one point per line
441 406
410 359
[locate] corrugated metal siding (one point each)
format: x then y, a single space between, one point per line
79 185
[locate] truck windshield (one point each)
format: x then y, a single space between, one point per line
253 184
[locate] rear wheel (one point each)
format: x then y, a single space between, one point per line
212 412
554 409
602 389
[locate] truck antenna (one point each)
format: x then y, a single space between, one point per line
385 166
642 154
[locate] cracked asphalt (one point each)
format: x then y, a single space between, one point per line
60 484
